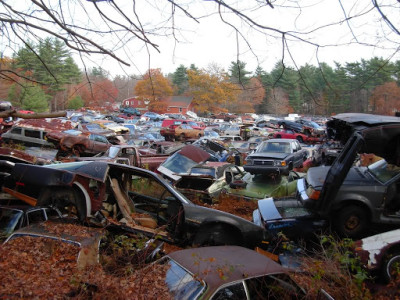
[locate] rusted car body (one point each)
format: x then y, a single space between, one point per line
15 155
206 181
380 253
33 132
131 156
226 272
184 132
75 142
104 192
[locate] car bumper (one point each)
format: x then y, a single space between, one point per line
266 169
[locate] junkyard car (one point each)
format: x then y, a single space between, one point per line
258 186
226 272
184 132
86 240
369 195
291 134
380 254
100 189
326 153
74 142
13 217
205 181
276 156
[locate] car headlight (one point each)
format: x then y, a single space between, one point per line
279 163
249 161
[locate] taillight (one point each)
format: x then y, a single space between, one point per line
313 194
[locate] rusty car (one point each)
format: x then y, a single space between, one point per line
105 192
77 143
184 132
129 155
380 254
227 272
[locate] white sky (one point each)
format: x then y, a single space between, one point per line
213 42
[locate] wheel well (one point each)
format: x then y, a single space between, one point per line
348 203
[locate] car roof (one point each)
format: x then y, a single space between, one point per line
237 263
279 140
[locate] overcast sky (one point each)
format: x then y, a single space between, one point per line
309 23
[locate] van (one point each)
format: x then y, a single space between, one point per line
27 136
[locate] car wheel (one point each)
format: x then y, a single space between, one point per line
300 139
351 221
278 136
182 137
217 235
391 267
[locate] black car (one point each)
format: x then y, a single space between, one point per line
130 198
276 156
286 124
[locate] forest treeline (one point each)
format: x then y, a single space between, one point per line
44 77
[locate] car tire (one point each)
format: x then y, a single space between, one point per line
299 139
351 221
278 136
182 137
217 235
391 265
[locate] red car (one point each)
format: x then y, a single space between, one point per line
290 134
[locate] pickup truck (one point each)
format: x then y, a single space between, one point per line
129 155
276 156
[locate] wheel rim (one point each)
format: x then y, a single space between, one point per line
352 222
393 267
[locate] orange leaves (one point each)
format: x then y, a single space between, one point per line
211 91
153 87
385 99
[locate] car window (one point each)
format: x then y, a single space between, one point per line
9 221
32 133
16 131
36 216
279 287
234 291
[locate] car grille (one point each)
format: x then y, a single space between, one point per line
264 162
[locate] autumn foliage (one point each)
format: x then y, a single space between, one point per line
211 91
154 87
97 93
385 99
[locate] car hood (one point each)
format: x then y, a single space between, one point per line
268 155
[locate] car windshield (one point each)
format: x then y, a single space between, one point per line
112 152
276 147
8 221
182 284
383 171
179 164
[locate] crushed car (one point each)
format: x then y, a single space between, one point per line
112 194
77 143
206 181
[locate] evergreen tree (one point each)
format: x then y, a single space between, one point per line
34 99
75 103
238 74
180 79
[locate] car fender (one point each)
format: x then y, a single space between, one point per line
355 199
87 198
